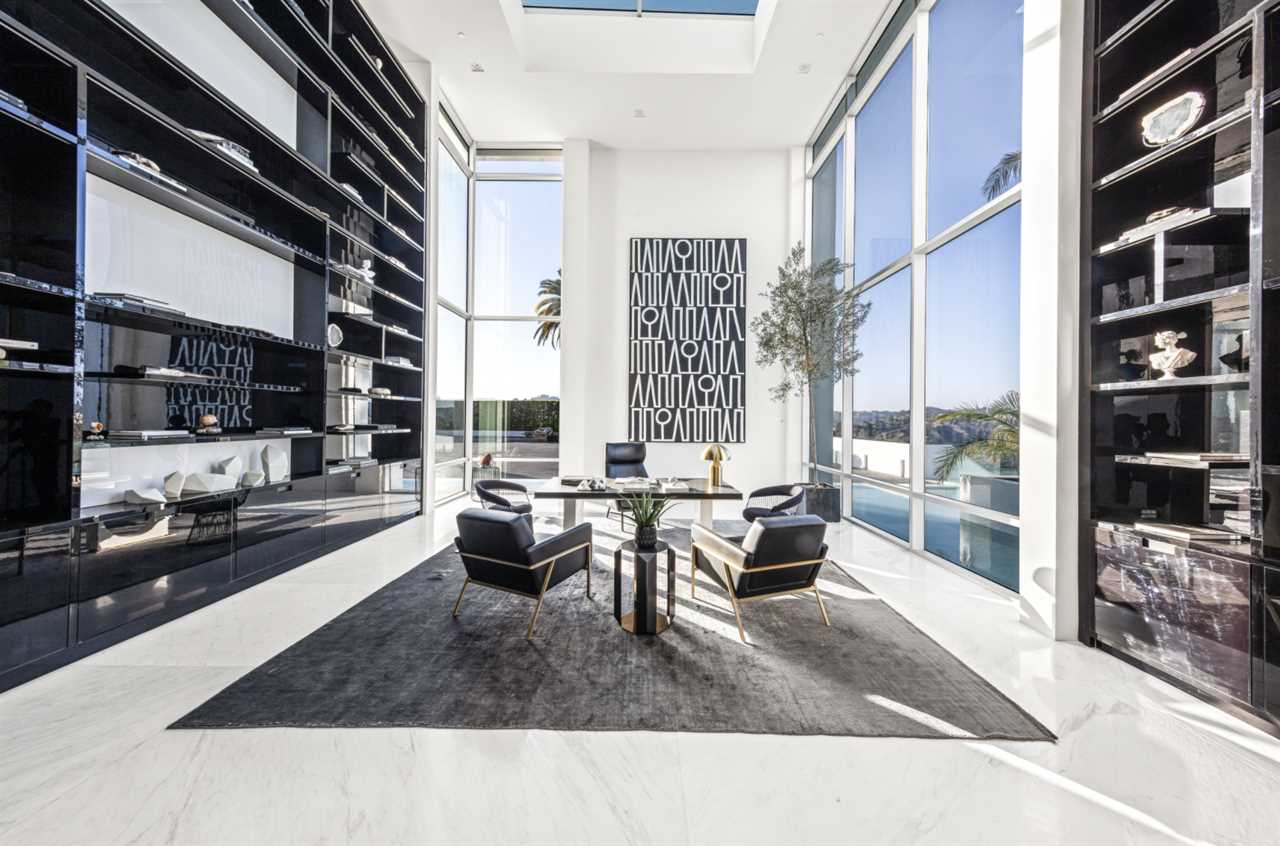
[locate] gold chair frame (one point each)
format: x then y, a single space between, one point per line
730 566
537 608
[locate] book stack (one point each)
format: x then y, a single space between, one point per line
286 430
1187 533
147 434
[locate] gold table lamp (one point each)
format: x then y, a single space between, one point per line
715 453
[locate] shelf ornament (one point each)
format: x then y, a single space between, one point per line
1172 120
1171 357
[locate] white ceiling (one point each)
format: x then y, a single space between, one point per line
555 75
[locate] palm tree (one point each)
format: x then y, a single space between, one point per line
1003 176
1001 418
548 307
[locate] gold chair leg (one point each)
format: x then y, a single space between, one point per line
590 560
538 607
821 607
458 604
693 574
733 597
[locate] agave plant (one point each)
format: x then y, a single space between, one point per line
548 306
647 509
1000 418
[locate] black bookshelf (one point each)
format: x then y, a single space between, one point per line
1179 237
85 95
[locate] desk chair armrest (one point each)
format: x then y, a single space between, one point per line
718 548
562 544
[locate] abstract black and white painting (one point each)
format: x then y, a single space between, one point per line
688 341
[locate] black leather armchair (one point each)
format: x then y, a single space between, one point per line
624 460
779 556
499 550
489 492
773 501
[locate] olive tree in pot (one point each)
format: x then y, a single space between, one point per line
646 513
810 330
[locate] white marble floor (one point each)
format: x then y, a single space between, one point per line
85 758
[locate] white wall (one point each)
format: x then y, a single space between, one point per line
195 35
612 196
1049 552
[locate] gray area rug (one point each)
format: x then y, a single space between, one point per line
399 658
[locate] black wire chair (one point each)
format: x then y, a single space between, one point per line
773 501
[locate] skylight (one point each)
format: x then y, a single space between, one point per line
684 7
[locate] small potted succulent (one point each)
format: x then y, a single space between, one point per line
646 512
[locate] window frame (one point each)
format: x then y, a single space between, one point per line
451 132
914 31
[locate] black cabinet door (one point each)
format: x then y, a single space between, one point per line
401 486
1184 611
353 505
278 523
1271 640
35 591
151 561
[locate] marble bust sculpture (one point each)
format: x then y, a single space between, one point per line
1171 357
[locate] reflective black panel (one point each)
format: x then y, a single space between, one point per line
34 590
353 505
151 560
1181 610
278 523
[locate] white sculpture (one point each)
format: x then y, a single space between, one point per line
145 496
252 479
1171 356
275 463
173 484
203 483
232 466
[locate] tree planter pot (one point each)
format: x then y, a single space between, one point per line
823 500
646 537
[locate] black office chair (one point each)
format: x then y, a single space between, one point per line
499 551
487 491
623 460
779 556
773 501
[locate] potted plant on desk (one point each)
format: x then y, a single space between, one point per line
646 513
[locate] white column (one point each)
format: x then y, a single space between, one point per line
575 340
1053 32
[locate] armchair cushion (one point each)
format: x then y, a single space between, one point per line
771 541
558 545
711 551
488 537
494 534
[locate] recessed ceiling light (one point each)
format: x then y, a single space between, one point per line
462 34
805 68
820 34
476 67
639 113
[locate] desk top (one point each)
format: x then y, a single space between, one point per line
698 489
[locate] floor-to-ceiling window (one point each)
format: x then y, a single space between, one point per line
931 452
827 217
453 224
498 313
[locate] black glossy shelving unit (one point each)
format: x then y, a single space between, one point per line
1183 237
342 206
